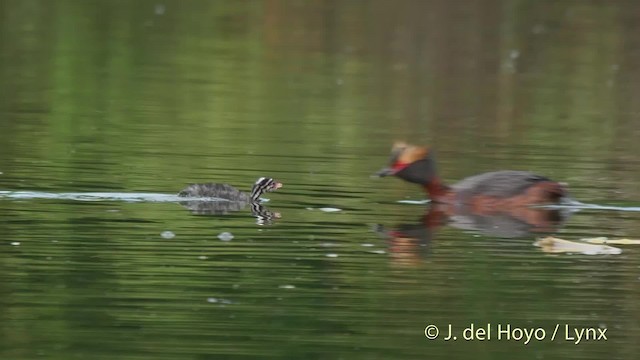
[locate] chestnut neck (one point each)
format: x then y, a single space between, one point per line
437 190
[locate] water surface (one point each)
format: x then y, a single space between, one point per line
127 98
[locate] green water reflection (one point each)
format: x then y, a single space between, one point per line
146 96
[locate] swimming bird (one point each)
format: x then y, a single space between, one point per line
218 199
491 190
228 192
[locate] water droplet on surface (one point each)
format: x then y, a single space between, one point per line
167 234
287 287
15 243
220 301
225 236
332 255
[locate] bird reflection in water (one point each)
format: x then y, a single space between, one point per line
263 215
498 203
409 243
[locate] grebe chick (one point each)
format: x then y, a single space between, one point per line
228 192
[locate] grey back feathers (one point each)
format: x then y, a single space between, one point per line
212 190
228 192
498 183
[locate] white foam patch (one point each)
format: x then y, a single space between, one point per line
555 245
329 209
570 204
414 202
604 240
100 196
213 300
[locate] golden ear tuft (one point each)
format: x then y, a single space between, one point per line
413 153
399 145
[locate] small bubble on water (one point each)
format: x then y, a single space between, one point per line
332 255
203 257
225 236
159 9
287 286
212 300
15 243
167 234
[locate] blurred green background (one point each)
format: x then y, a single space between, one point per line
147 96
